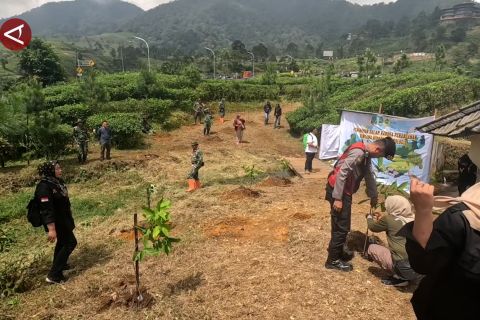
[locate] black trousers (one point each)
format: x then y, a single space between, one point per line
106 147
66 243
198 116
340 225
206 130
308 162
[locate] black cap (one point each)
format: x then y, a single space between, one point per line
390 147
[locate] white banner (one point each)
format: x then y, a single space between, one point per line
329 141
414 148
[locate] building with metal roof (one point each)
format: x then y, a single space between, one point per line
462 11
461 123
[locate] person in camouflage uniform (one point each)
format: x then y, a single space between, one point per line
80 136
207 123
198 108
221 110
197 163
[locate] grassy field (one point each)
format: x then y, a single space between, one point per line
250 248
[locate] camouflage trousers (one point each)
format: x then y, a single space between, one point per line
82 149
193 174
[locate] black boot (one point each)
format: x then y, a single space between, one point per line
339 265
347 254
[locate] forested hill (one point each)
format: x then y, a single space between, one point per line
80 17
191 24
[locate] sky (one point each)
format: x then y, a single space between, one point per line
10 8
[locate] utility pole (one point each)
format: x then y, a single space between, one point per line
121 56
148 51
214 67
253 63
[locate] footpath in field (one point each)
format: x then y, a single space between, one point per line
249 250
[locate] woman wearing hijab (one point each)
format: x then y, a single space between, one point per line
52 196
394 259
446 251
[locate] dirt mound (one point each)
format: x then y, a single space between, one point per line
275 182
301 216
240 228
124 295
241 193
356 240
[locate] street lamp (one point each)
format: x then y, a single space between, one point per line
253 63
148 51
213 52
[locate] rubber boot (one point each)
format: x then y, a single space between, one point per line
198 185
191 185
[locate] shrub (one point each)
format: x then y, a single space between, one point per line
20 273
155 109
62 94
49 138
126 128
70 113
176 120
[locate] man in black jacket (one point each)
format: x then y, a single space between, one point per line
52 196
267 108
278 114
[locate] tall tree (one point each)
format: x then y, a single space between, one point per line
292 49
439 57
260 51
39 60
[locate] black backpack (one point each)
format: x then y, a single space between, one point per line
33 213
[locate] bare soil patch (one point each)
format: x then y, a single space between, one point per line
241 193
246 229
124 294
302 216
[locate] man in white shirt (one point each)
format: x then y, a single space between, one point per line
311 149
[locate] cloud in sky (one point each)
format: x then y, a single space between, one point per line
10 8
362 2
13 7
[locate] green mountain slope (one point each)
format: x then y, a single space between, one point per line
191 24
79 17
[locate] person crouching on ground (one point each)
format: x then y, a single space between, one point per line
393 259
197 163
351 168
52 196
